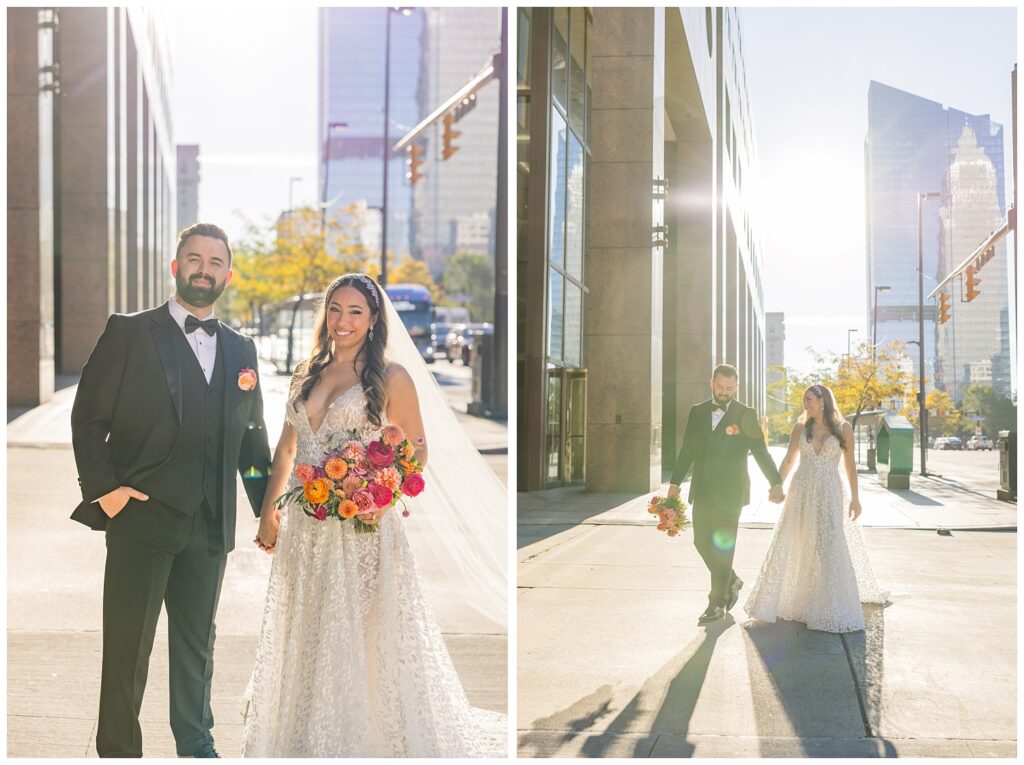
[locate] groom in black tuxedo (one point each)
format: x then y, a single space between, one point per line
168 407
720 433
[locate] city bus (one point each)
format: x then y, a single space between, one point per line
416 309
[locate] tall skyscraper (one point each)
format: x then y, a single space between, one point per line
911 146
352 56
454 202
970 212
433 53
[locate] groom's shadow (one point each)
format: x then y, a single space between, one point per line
665 703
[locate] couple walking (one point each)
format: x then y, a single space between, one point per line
816 570
350 661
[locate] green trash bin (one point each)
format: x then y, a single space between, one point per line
895 456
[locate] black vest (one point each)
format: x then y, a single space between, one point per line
192 475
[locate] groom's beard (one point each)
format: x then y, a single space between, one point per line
723 401
199 290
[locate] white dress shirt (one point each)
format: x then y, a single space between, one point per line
204 346
716 414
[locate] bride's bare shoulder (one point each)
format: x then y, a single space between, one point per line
398 378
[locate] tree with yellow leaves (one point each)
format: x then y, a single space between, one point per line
296 255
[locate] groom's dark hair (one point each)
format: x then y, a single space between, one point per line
725 370
202 229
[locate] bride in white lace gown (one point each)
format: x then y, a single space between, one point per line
350 660
817 570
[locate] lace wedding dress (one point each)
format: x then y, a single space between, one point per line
350 660
816 570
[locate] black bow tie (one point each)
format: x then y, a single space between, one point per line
192 324
720 407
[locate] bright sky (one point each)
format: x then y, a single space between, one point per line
245 83
808 71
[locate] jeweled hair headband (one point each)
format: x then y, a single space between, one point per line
369 285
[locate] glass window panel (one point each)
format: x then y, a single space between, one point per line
524 29
556 219
574 210
560 56
523 133
573 325
577 60
556 313
554 427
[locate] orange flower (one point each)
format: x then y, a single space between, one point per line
388 477
407 449
317 491
336 468
347 508
408 466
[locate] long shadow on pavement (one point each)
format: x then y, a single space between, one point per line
669 696
813 682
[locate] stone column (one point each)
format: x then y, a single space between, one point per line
622 323
85 213
30 364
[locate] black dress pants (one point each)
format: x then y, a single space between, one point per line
138 580
714 535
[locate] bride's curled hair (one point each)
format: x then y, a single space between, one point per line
833 419
307 373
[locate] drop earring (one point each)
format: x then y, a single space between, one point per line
371 333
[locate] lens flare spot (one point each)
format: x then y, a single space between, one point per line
723 540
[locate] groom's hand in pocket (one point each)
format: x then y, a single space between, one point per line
114 502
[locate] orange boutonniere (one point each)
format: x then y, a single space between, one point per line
732 430
247 379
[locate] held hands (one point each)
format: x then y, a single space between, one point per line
776 495
854 509
266 536
114 502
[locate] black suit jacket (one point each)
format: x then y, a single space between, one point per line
127 414
719 458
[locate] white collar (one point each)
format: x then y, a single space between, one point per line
179 313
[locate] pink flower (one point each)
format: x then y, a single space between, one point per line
361 467
732 430
382 495
305 473
352 451
320 512
247 379
380 455
363 500
388 477
413 485
392 435
351 483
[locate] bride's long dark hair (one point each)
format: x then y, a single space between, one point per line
307 374
833 420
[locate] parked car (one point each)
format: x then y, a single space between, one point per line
953 443
940 443
459 344
438 335
978 443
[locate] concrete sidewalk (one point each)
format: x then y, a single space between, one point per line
55 583
611 662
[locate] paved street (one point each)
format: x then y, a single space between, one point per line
54 584
611 662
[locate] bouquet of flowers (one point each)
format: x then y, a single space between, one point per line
671 512
354 479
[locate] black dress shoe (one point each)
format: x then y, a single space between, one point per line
206 750
734 592
712 614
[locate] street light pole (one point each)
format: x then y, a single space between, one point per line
922 409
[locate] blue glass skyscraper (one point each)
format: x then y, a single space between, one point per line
910 147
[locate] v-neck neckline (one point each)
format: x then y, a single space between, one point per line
327 411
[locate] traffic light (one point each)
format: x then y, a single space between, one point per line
972 283
943 308
415 162
450 134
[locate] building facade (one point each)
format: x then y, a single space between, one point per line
188 186
453 204
775 361
911 145
639 263
352 47
91 190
